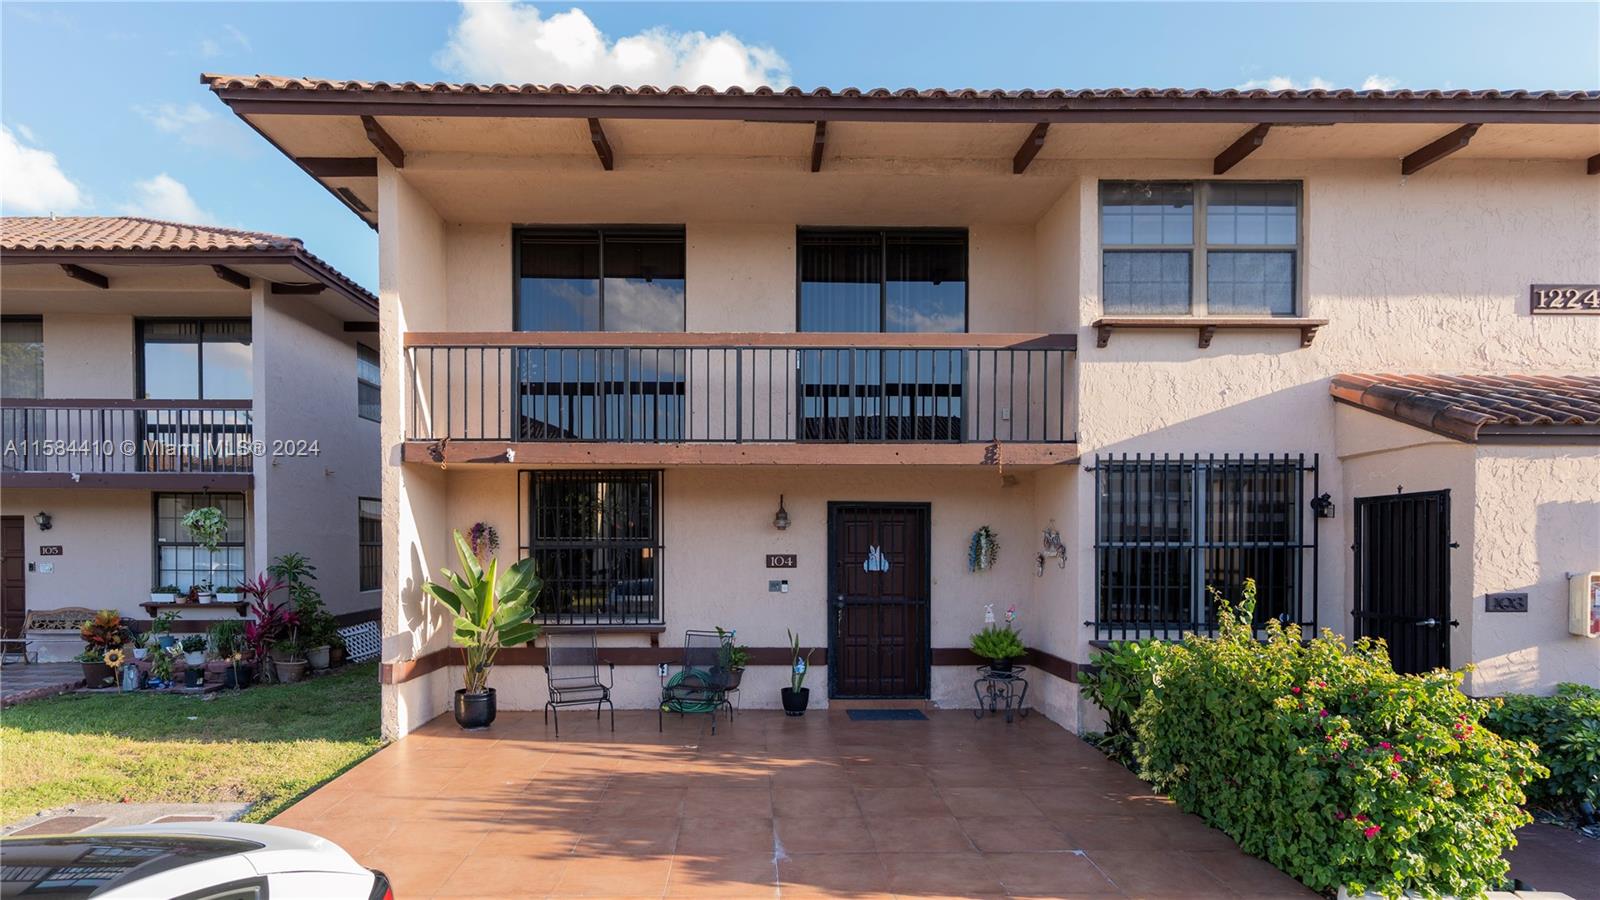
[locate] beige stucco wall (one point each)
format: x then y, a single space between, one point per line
1421 274
88 356
305 390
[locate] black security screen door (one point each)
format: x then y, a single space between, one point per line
878 580
906 281
1402 577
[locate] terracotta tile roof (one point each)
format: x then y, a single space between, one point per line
219 82
88 235
1468 407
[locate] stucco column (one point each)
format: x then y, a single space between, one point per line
259 498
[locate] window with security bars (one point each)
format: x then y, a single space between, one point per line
369 538
369 381
180 559
595 538
1169 531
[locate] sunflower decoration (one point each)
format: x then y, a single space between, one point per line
113 658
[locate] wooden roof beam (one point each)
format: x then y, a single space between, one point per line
79 273
388 146
232 276
285 289
1030 148
1594 164
340 166
818 142
1421 159
1247 144
602 147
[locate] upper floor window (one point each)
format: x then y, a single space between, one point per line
1199 248
194 359
22 357
369 380
600 279
897 280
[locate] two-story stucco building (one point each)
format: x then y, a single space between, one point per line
152 368
1187 331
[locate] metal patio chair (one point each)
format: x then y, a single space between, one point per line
700 684
572 673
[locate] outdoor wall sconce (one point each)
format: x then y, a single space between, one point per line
1322 506
42 520
781 520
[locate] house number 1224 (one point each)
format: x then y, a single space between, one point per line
1564 299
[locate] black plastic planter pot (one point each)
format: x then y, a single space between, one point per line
794 702
1000 665
474 711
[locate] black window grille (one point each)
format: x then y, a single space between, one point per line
595 538
369 537
182 561
369 381
1169 529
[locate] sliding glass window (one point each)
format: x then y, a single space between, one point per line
194 359
882 280
600 279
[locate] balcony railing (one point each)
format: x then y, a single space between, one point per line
733 388
125 436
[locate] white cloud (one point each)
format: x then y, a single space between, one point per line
165 197
513 42
1285 83
237 36
210 49
31 180
196 126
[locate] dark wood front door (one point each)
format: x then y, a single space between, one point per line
878 583
13 586
1402 577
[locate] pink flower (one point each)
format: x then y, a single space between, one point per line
1323 714
1294 690
1396 757
1361 817
1340 815
1371 832
1383 744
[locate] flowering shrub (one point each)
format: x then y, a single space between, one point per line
1320 759
1567 729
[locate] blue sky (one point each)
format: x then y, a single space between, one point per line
103 111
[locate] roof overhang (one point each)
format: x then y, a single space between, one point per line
337 130
1517 409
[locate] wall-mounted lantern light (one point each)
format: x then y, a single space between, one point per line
42 520
781 520
1322 506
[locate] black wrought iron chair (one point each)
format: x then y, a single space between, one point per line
701 683
572 673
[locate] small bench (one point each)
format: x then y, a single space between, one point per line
52 626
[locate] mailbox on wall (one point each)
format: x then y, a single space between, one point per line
1584 604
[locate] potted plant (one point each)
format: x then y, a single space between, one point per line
161 627
203 593
161 667
731 659
229 593
165 593
289 659
999 644
194 650
95 671
270 623
103 632
338 652
491 609
796 696
317 626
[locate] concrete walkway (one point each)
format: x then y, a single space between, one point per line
770 806
22 682
1549 858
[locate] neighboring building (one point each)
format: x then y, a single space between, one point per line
152 368
634 321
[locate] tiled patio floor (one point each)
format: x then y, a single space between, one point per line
770 806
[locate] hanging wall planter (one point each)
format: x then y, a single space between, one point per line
983 550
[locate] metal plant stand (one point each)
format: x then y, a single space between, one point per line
999 689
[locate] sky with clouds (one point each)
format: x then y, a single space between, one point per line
101 110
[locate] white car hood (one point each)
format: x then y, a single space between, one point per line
282 849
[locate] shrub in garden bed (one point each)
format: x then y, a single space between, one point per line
1567 729
1320 759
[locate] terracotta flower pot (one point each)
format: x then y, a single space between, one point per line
95 674
290 672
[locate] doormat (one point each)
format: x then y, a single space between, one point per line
886 715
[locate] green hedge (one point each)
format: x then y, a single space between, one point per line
1567 729
1317 757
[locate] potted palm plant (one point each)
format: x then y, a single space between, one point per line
491 609
796 696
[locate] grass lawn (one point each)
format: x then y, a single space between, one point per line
266 745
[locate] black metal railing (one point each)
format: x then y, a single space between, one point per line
700 388
125 436
1172 532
